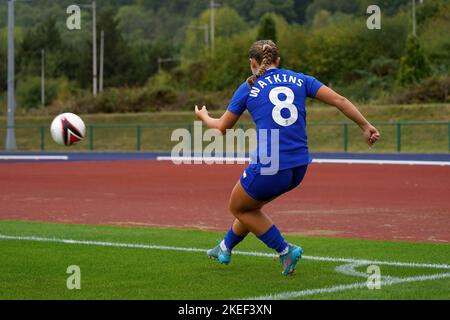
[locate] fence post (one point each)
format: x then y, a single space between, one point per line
345 137
91 137
399 137
190 129
138 137
42 137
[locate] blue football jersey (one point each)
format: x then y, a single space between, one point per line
277 101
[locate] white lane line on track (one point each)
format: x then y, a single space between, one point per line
221 160
34 158
388 162
388 281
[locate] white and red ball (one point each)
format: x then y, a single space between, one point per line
67 129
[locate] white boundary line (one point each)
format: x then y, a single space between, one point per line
241 160
388 162
220 160
357 285
388 281
35 158
245 253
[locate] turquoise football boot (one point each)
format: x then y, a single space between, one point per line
290 259
223 256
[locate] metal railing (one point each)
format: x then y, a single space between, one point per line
92 130
398 126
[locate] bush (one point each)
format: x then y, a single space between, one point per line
434 89
150 98
29 92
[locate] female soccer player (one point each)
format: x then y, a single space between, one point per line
275 98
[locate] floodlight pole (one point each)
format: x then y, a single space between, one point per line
102 59
213 35
10 144
43 77
94 48
414 17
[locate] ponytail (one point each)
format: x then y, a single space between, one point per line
265 53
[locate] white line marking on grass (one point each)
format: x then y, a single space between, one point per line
357 285
245 253
34 158
377 262
100 243
346 269
221 160
349 269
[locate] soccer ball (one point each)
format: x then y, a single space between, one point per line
67 129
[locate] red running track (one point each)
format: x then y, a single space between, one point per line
408 203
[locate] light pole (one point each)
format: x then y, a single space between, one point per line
43 77
94 46
102 58
414 17
212 6
10 144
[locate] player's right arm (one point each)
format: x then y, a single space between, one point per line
329 96
225 122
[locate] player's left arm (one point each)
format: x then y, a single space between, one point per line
329 96
226 121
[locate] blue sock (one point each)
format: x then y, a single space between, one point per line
274 240
231 240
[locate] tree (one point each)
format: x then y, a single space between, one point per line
414 65
267 28
44 36
300 7
284 8
117 53
321 19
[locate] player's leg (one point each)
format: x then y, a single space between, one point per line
247 211
239 229
258 222
250 218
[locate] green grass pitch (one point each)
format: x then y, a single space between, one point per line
37 269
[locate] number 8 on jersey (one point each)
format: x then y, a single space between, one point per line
274 97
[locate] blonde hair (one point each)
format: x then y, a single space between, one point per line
265 52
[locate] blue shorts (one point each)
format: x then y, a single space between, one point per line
266 187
